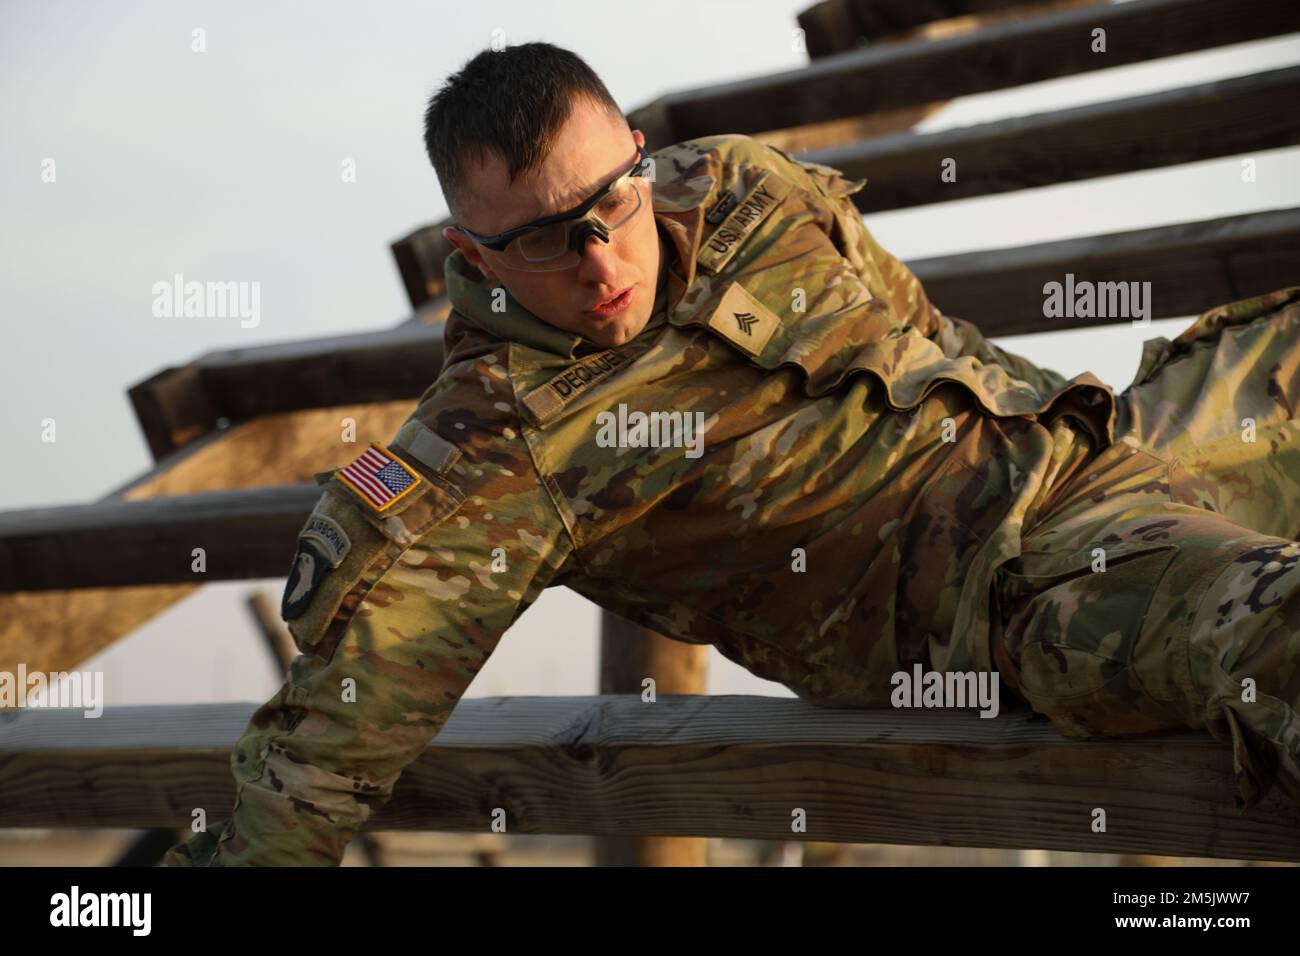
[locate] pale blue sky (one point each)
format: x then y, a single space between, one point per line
225 165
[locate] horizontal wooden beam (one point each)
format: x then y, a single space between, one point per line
834 26
831 27
244 533
178 405
1222 118
994 58
1191 267
729 766
380 366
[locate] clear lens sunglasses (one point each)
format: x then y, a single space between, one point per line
556 242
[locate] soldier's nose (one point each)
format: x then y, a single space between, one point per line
599 264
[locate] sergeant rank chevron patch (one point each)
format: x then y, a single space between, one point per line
743 320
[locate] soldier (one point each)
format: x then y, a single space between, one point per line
701 351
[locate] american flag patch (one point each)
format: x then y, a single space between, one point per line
378 477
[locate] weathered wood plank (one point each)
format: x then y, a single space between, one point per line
56 630
420 255
1191 267
1223 118
629 654
244 533
834 26
830 27
266 615
853 129
728 766
178 405
889 76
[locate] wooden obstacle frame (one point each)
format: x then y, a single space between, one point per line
238 434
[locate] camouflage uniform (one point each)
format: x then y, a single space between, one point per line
878 487
1195 509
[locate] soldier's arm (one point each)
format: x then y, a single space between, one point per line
890 279
391 637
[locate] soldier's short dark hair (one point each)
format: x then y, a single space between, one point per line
511 102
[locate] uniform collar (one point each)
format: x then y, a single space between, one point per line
678 215
472 296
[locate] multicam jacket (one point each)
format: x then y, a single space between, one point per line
866 463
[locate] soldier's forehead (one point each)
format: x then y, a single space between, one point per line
562 180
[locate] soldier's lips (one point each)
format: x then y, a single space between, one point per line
613 306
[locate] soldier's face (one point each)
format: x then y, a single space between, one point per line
593 148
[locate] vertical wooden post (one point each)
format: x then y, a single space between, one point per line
630 653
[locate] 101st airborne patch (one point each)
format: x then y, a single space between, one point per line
322 545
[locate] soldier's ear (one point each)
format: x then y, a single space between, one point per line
469 249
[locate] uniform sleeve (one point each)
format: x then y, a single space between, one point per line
890 279
390 638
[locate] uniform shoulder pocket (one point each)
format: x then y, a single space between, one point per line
828 180
346 546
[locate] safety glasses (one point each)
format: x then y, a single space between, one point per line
556 242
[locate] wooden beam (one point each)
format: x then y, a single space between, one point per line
420 256
310 373
148 848
173 409
1191 267
56 630
244 533
266 617
1222 118
834 26
274 449
180 404
629 654
842 132
995 58
830 27
728 766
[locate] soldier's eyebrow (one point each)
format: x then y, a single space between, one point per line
580 197
556 210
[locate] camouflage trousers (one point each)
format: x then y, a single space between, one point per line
1158 587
